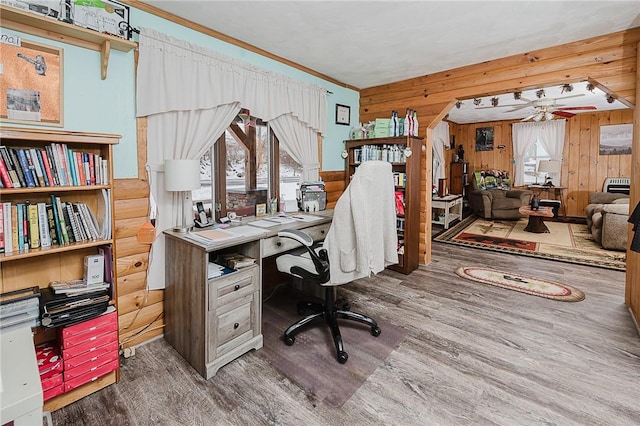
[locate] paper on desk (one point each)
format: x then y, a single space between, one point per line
210 236
263 223
306 217
280 220
246 231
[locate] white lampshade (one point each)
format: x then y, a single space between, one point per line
549 166
181 175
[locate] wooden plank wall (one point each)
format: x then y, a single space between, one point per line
583 170
632 294
610 61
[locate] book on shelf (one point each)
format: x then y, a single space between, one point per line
51 160
54 226
34 228
4 154
76 287
43 225
20 226
42 174
26 171
4 174
59 218
67 222
34 166
1 228
17 167
14 227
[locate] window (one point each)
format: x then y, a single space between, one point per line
227 180
532 158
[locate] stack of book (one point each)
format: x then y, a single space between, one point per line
236 260
76 287
20 308
216 270
53 165
25 226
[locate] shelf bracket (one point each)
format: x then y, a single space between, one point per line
105 50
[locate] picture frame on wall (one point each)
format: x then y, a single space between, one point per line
343 114
31 83
484 139
616 139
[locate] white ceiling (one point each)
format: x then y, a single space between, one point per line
369 43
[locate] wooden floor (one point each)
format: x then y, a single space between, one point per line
474 355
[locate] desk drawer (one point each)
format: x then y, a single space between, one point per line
277 245
234 327
227 289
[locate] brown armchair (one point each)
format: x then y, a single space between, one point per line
497 202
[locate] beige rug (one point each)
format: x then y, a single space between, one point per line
569 242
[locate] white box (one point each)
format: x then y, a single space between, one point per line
94 269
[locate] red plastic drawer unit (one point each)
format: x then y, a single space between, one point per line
92 365
90 345
90 376
91 355
55 391
49 360
51 382
79 333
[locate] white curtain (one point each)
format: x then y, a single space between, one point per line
190 95
551 137
300 142
524 135
440 136
182 135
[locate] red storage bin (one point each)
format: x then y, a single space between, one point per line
87 330
90 345
51 382
90 376
54 391
49 360
92 365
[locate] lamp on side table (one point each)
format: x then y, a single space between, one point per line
182 176
550 167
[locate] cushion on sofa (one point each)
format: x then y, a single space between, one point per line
605 197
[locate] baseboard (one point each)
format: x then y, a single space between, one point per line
635 321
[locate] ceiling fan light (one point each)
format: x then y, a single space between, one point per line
548 116
538 117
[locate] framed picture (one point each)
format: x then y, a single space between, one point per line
343 114
31 83
616 139
261 209
484 139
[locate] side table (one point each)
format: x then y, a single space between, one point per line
451 205
556 191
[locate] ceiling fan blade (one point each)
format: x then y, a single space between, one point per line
506 105
563 114
579 108
518 108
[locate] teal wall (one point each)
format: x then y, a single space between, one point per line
108 106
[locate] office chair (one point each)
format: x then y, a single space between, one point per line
362 240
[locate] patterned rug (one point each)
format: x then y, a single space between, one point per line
566 242
522 283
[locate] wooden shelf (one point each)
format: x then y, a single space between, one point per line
30 23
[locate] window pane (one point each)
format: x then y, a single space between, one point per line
534 154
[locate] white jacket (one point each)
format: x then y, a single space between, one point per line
362 238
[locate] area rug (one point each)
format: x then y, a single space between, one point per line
311 361
566 241
522 283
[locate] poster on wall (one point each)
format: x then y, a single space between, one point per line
484 139
30 82
616 139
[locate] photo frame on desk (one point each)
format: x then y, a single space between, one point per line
31 83
261 209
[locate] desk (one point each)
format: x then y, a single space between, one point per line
211 322
452 207
556 191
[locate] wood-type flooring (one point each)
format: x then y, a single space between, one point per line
474 355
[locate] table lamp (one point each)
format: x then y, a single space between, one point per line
549 167
183 176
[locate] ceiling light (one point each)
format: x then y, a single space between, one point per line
540 93
567 88
590 87
477 101
494 101
610 99
517 95
548 116
538 117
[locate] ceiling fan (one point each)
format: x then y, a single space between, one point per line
547 108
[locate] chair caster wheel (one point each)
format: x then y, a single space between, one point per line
342 357
289 340
375 331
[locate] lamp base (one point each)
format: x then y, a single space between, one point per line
181 229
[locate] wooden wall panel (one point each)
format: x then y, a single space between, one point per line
583 170
556 65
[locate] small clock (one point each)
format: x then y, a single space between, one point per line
343 114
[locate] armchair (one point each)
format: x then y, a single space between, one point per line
361 241
496 201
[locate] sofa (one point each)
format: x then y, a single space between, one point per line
491 196
607 215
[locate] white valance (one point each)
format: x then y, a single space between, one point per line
180 76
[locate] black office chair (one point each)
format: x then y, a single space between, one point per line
355 250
